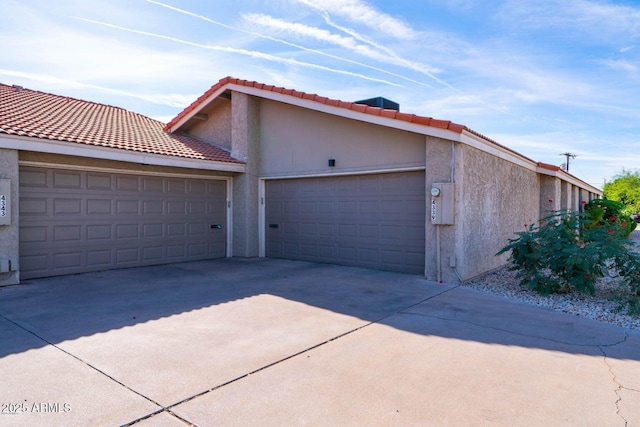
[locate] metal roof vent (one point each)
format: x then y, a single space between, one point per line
380 102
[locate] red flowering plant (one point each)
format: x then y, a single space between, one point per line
611 214
567 252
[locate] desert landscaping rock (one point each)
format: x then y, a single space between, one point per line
603 306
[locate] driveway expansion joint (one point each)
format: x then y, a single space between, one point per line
153 414
83 362
284 359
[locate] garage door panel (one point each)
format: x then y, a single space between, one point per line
127 183
197 208
176 252
66 233
99 181
127 207
33 234
348 254
326 252
99 232
308 250
34 178
347 230
176 186
153 207
326 207
35 263
99 206
67 180
63 207
126 256
68 259
310 230
291 249
176 229
153 255
327 230
374 221
32 206
104 221
126 231
99 258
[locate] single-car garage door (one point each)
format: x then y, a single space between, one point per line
374 221
78 221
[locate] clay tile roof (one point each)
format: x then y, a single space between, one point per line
548 166
392 114
412 118
34 114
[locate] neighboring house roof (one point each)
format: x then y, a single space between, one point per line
29 113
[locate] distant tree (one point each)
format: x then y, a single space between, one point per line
625 188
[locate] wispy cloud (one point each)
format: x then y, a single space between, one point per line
306 31
172 100
295 28
597 20
363 13
245 52
620 65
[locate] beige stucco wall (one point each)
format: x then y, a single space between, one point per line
498 199
217 128
297 141
438 156
9 234
550 194
245 144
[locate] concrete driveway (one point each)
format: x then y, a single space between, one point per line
273 342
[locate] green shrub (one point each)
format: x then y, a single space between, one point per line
568 251
603 212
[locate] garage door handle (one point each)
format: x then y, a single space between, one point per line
216 226
273 225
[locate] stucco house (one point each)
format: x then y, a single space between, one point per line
254 170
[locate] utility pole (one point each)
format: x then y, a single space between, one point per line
568 156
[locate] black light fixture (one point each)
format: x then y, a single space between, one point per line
332 163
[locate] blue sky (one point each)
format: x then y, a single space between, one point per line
543 77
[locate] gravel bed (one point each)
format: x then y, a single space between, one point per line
601 306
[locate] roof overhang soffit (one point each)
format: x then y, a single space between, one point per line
198 112
312 105
22 143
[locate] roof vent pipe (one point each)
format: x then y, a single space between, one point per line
17 88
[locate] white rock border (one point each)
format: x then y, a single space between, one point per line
599 307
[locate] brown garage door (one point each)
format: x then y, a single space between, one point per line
78 221
374 221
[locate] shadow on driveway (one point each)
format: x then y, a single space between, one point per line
65 308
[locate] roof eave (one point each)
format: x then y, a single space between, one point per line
25 143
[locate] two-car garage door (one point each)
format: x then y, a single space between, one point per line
373 221
74 221
77 221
